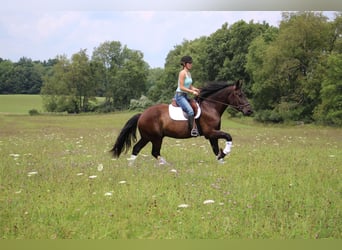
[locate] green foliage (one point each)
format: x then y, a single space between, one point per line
288 80
267 115
154 83
330 110
121 74
217 51
141 104
33 112
23 77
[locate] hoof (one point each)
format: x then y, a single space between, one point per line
162 162
221 161
220 155
131 160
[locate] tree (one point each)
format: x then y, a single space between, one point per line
80 80
22 77
131 79
120 72
258 70
291 69
6 69
55 90
330 110
154 79
217 51
107 59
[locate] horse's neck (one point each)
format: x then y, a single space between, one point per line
219 100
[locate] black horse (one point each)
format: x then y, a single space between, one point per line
155 123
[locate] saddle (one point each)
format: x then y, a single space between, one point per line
177 113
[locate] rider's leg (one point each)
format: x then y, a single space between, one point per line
192 125
183 102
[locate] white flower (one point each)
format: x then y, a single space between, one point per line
32 173
183 205
100 167
173 170
79 174
208 201
92 176
108 194
122 182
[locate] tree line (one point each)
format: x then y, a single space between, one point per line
291 73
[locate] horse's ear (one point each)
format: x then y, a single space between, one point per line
238 84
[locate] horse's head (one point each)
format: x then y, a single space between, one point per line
238 100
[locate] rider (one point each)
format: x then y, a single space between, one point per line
185 86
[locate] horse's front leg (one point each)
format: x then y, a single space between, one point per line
214 145
214 137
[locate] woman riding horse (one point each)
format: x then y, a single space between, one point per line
185 86
155 123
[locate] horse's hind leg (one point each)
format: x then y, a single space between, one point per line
139 145
136 149
156 146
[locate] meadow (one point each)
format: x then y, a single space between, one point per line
58 181
20 104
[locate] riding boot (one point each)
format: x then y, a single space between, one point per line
192 126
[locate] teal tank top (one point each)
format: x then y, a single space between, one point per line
187 83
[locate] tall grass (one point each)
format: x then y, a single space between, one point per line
58 181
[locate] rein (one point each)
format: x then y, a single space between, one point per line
239 107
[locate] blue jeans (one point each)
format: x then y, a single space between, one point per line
182 100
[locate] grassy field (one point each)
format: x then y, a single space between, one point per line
58 181
20 104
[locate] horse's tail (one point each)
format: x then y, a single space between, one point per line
126 136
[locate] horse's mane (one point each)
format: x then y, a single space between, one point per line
212 87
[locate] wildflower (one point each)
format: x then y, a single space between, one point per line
79 174
92 176
183 206
108 194
208 201
122 182
32 173
173 171
100 167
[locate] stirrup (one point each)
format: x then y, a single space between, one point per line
194 132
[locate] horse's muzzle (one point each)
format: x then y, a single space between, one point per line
247 110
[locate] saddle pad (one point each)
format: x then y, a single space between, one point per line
176 113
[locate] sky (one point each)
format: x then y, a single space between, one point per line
41 33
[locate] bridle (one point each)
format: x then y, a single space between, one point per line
237 107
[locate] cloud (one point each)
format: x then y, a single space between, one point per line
44 34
